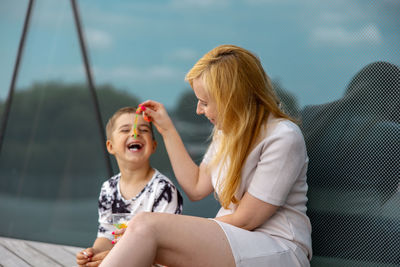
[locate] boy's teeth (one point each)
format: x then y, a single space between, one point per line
135 147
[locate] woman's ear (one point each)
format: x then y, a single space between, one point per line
110 147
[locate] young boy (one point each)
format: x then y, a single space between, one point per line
138 186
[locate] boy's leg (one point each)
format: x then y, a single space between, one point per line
172 240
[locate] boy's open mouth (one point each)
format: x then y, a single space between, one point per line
134 146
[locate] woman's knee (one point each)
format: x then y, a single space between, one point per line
143 223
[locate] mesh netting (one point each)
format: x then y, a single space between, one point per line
354 169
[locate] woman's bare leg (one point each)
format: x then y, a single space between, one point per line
172 240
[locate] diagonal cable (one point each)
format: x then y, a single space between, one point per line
8 103
91 84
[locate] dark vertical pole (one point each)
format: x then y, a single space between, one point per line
91 84
8 103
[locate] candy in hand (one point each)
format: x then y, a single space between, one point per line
141 109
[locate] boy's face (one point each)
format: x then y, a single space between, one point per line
124 146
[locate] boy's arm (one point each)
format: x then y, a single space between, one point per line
101 247
168 200
101 244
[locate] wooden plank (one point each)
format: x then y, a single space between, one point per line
9 259
58 253
73 250
24 251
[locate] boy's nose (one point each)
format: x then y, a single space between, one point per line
134 131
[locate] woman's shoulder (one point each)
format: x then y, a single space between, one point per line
289 127
280 127
282 133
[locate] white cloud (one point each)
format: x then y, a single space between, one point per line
129 73
343 13
333 17
98 39
97 16
267 2
184 54
340 36
392 2
199 3
370 33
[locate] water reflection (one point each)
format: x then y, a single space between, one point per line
353 144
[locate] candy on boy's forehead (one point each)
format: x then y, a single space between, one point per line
135 126
139 110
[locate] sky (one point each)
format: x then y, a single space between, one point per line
312 47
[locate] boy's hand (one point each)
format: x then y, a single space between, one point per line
118 234
84 256
98 258
88 258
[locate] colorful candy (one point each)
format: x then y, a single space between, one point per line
139 110
121 225
135 126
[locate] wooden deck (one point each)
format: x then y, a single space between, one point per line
22 253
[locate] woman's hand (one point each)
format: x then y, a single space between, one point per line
250 213
159 116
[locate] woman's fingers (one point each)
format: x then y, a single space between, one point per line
159 115
152 104
153 109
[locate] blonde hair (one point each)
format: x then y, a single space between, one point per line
235 79
111 122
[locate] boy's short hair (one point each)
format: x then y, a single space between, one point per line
116 115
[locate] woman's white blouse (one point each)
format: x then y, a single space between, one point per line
275 172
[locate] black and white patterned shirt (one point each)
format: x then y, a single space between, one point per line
159 195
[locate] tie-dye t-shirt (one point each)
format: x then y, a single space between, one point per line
159 195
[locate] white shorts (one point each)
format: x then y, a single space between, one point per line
251 248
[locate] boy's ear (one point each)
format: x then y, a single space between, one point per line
109 147
154 145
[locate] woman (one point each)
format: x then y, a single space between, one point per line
256 165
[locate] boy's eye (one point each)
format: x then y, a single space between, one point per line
144 130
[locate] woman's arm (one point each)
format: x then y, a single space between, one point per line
250 213
194 180
283 158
